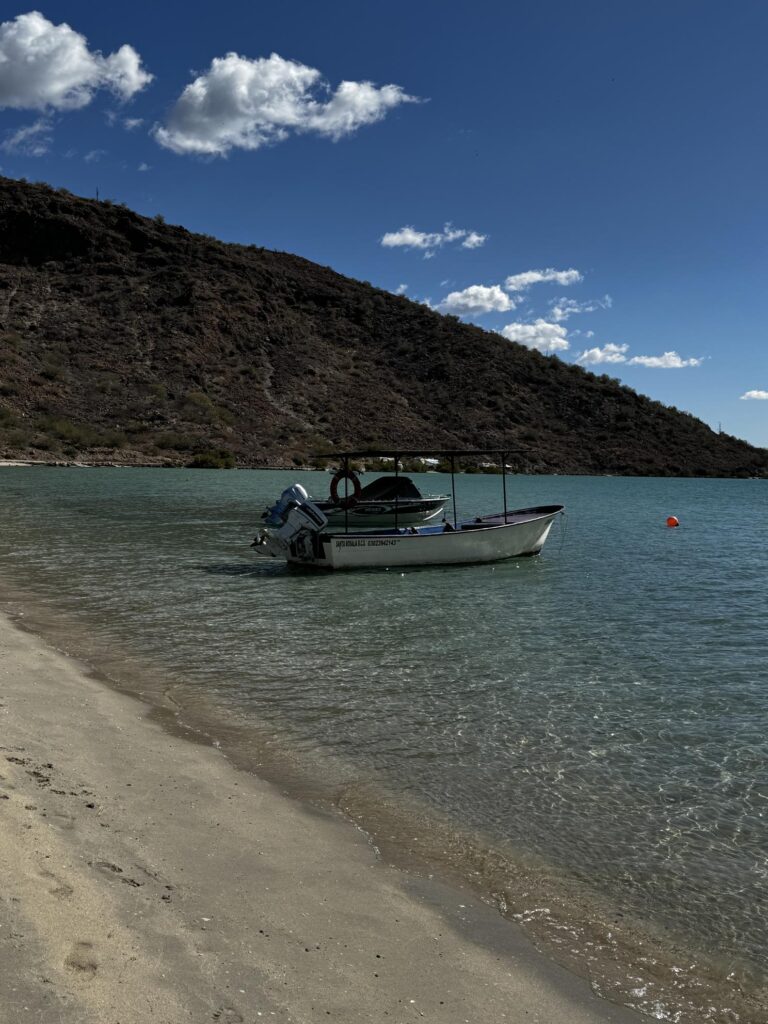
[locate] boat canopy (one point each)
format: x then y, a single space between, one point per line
389 488
451 454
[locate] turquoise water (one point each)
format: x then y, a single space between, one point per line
593 721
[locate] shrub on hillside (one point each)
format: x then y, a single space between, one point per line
213 460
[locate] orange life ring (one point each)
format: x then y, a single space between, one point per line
351 499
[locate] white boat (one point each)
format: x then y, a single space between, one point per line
391 500
300 534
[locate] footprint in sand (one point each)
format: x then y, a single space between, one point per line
81 960
109 869
227 1015
60 888
40 777
61 820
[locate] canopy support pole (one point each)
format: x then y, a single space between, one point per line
397 489
346 494
504 481
453 486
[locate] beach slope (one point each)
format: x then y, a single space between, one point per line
143 878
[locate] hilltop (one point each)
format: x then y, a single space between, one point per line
124 339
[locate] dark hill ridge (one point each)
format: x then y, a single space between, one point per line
124 339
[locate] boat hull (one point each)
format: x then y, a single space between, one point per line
486 540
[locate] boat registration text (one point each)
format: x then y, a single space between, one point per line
366 543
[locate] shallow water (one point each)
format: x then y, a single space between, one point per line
596 716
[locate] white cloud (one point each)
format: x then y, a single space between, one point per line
562 309
667 361
759 395
474 240
401 289
31 140
132 123
520 282
477 299
409 238
541 335
49 67
144 167
609 353
244 104
353 105
94 156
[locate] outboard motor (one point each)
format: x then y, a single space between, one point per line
294 520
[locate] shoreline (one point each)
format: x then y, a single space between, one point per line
290 468
145 877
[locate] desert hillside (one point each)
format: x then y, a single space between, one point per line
124 339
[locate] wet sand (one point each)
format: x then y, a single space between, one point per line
143 878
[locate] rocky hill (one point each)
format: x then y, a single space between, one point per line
124 339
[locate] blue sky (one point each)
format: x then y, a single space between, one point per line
609 154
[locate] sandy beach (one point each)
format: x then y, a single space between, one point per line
146 879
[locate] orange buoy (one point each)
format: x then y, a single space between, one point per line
673 521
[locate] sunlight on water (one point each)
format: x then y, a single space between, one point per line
600 709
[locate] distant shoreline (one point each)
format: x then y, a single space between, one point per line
291 468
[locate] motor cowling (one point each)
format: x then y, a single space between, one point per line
306 516
291 496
